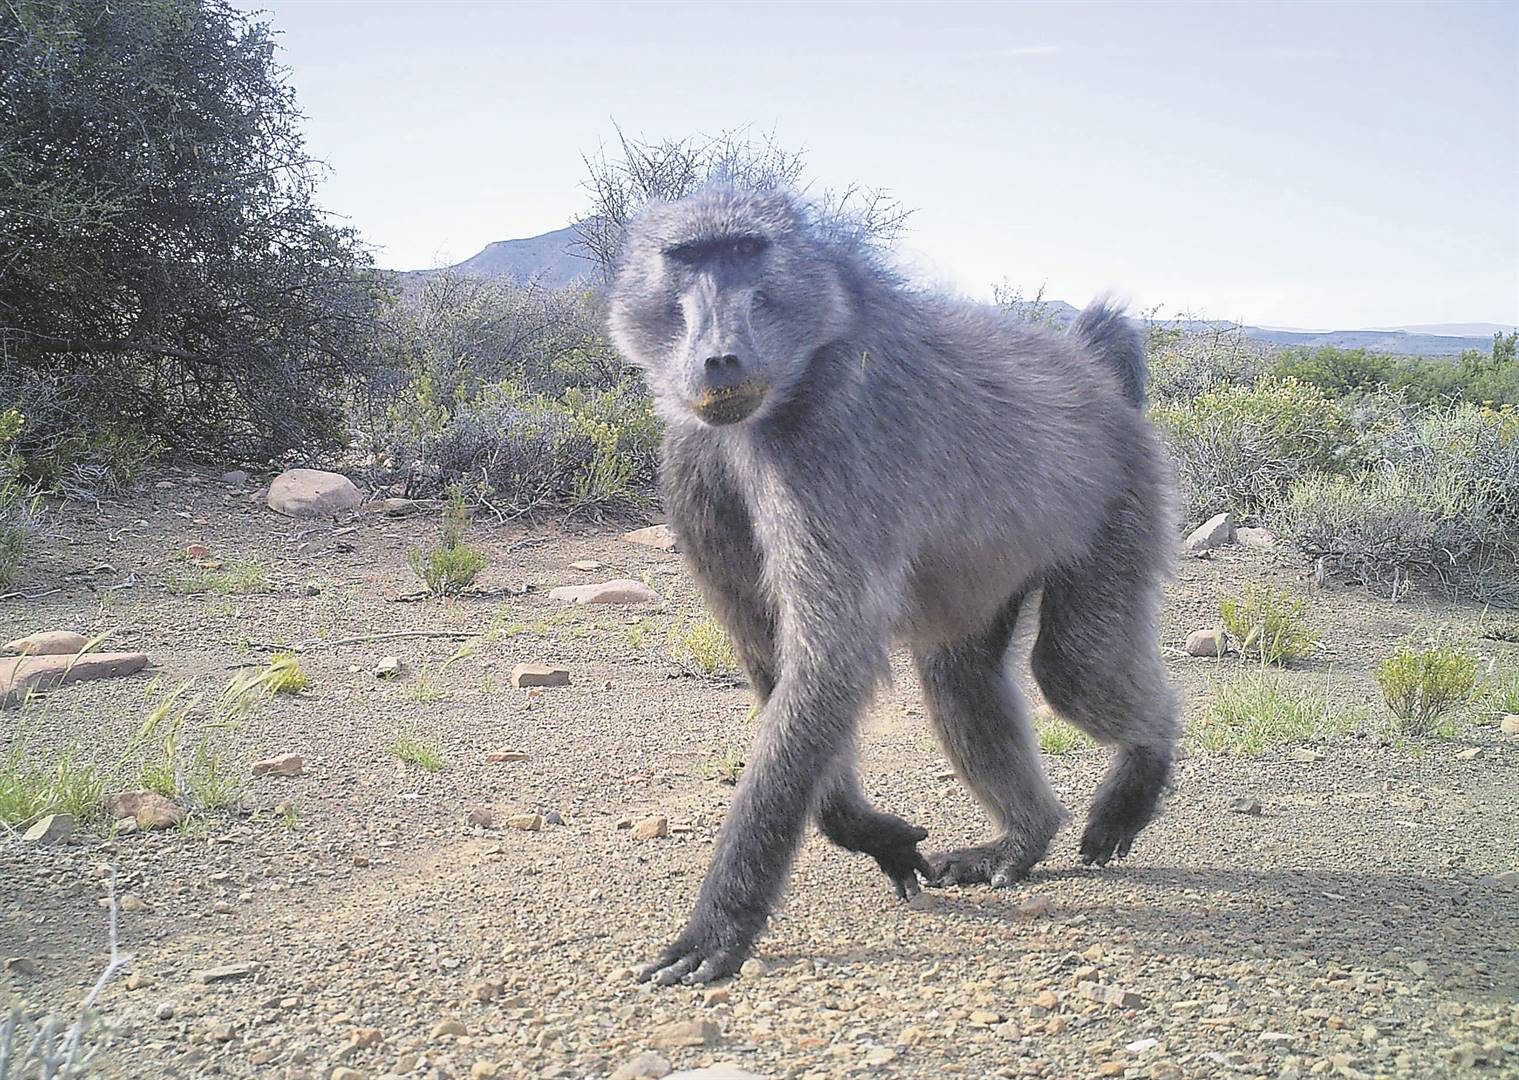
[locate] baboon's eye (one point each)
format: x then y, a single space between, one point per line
746 247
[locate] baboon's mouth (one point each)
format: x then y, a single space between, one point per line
728 404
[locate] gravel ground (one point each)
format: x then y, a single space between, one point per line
1359 925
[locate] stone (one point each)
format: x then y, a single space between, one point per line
22 965
33 674
394 507
1507 879
651 828
1211 642
619 591
497 757
1213 533
226 972
525 822
753 968
1509 725
48 643
1302 755
984 1018
484 1070
1245 804
147 809
1258 539
389 667
718 995
311 493
655 536
880 1055
720 1072
283 765
482 819
524 675
1471 753
646 1066
586 565
53 829
1107 994
235 478
197 551
344 1072
448 1027
1035 907
697 1032
165 1011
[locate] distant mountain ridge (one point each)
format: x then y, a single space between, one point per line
553 260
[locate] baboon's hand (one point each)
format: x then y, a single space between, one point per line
707 950
895 849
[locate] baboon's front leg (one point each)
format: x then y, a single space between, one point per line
805 726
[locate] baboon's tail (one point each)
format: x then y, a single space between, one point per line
1103 328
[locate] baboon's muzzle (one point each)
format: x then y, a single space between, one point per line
721 405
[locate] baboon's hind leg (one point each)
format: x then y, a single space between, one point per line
1098 663
983 726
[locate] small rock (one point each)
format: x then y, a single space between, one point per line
496 757
682 1033
395 507
1471 753
226 972
482 819
148 809
718 995
311 493
165 1011
18 678
1245 804
222 907
220 1032
1213 533
586 565
1035 907
197 551
652 827
1259 539
1419 967
448 1027
1302 755
655 536
646 1066
1211 642
553 817
283 765
22 965
48 643
53 829
235 478
389 668
1507 879
525 822
484 1070
721 1072
524 675
1509 725
1047 1000
984 1017
880 1055
1108 994
620 591
753 968
343 1072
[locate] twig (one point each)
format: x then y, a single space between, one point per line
317 643
28 596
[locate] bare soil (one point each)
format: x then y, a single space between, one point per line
1356 926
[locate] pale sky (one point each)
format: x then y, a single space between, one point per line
1321 165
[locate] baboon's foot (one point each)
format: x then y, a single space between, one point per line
998 864
1125 803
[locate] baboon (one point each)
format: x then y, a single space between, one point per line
848 461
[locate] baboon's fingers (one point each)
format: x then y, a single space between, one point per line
717 966
670 974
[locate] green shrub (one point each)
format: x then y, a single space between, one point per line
453 565
1240 448
1422 685
1257 712
284 674
19 509
1186 363
1442 504
702 647
1268 624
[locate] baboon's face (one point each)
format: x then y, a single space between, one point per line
723 301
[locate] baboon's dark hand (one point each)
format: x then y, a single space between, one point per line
898 857
707 950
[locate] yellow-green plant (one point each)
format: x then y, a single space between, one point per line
1422 685
415 751
1268 624
702 647
1056 736
452 566
1258 711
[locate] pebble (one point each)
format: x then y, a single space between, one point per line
585 565
753 968
525 675
281 765
1213 533
620 591
1246 804
389 667
695 1032
165 1011
1509 725
448 1027
1108 994
651 827
655 536
1210 642
482 819
497 757
53 829
646 1066
525 822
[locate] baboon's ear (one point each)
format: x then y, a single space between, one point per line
839 308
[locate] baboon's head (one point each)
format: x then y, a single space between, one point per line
722 299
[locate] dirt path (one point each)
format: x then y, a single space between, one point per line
1353 927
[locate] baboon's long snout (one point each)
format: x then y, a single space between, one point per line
728 392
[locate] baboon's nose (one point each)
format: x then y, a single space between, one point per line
718 363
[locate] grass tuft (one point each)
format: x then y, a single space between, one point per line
414 751
1256 713
1268 624
702 647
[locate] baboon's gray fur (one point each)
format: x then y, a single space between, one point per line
878 462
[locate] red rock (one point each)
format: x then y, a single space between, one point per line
37 673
